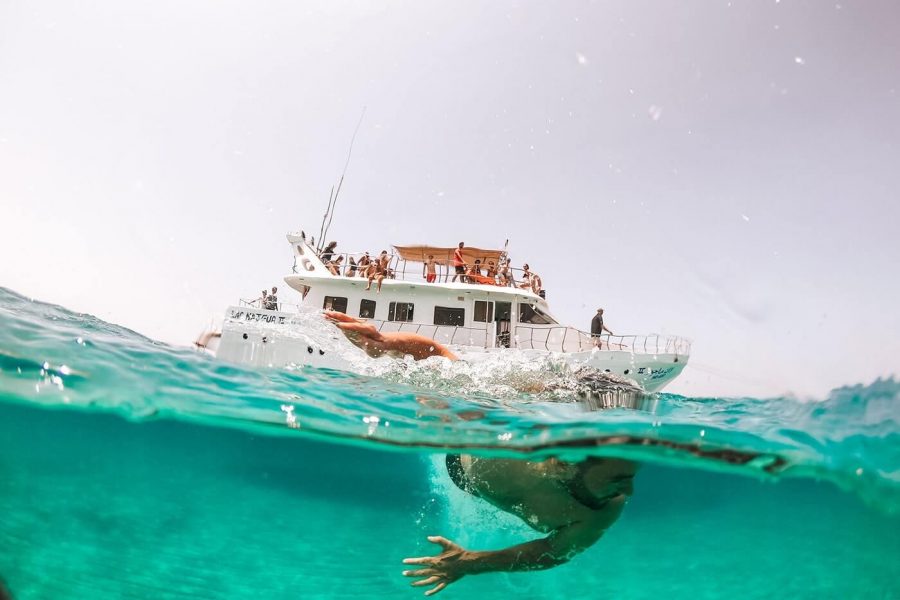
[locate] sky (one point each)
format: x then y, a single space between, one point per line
726 171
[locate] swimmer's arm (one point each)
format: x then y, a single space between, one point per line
376 343
455 562
555 549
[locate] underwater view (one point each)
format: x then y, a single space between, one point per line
133 469
491 300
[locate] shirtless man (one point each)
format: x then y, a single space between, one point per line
459 264
573 503
429 270
491 270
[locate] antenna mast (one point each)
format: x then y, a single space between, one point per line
332 200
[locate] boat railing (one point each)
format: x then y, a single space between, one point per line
557 338
260 304
569 339
399 269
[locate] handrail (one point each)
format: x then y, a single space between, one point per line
400 273
257 303
562 338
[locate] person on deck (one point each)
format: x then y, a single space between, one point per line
474 270
491 271
459 263
573 503
351 268
370 273
504 277
597 328
262 299
381 271
272 299
525 284
363 264
429 270
334 266
328 252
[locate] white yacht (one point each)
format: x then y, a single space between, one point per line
473 319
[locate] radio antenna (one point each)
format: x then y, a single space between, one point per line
329 214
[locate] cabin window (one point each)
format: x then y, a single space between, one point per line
367 309
535 316
449 316
400 311
335 303
484 311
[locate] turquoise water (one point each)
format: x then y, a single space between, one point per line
132 469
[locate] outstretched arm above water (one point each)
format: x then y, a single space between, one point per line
455 562
376 343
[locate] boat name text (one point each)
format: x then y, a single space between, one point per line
246 315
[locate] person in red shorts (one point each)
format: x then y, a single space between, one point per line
429 271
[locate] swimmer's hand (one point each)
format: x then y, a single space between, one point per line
441 570
398 343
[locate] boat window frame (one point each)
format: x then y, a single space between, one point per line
393 313
538 317
333 298
488 311
374 308
453 313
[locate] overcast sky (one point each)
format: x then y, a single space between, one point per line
728 171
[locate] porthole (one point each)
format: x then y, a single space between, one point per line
245 336
627 371
309 349
321 352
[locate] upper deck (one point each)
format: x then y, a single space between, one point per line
467 314
406 266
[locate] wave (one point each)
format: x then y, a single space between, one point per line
510 405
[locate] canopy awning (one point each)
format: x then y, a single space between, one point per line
444 256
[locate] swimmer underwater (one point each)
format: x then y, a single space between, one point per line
572 503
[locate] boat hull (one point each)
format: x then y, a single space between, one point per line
277 339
